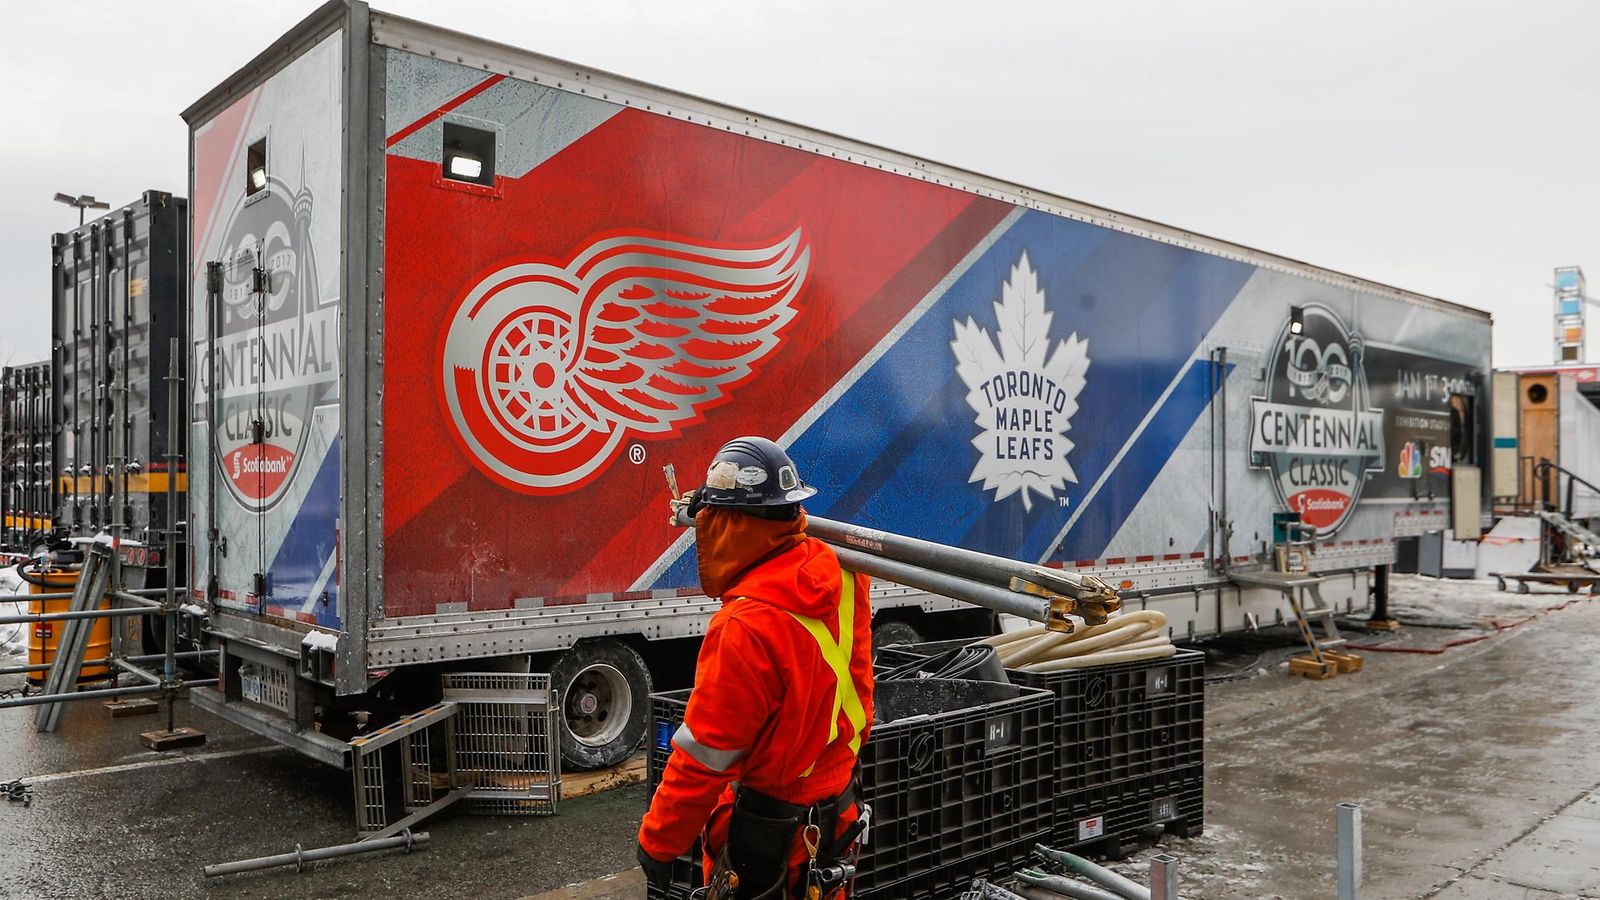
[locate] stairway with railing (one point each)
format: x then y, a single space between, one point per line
1566 538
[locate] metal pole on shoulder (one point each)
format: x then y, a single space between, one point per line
1163 877
1349 828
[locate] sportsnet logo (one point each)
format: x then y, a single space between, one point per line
546 369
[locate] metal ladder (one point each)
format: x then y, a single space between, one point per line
1326 658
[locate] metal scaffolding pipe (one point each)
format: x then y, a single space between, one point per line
69 615
300 857
135 599
973 565
140 593
135 671
26 598
106 660
1036 609
41 699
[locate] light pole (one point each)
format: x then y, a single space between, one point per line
83 202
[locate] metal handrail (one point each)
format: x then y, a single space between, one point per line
1542 471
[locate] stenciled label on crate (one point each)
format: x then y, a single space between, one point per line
1163 809
1000 732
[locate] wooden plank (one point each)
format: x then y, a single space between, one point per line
1311 668
582 784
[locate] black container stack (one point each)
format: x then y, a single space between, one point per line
118 288
26 441
1130 758
957 794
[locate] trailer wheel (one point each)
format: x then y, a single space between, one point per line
604 689
893 632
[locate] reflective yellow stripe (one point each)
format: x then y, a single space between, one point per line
837 656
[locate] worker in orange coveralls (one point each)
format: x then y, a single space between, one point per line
765 762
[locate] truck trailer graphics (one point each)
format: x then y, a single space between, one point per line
1315 431
549 281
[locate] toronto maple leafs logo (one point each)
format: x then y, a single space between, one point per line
1022 392
547 368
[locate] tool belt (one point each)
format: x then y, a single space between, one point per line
754 865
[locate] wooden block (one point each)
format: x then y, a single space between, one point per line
1382 625
1346 662
172 740
579 784
134 706
1310 668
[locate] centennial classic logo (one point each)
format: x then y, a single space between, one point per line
1022 392
547 368
1315 431
274 359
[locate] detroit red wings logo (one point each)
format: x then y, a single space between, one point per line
547 369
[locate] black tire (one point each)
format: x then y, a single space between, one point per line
604 690
893 632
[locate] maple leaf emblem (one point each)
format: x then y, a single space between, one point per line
1022 392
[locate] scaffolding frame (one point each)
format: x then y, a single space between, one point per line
100 581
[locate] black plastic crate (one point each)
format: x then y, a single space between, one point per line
1118 721
955 795
1115 817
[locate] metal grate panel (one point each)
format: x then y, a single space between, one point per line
372 813
505 741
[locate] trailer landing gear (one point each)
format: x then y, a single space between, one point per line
604 690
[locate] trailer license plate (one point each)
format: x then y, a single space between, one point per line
250 687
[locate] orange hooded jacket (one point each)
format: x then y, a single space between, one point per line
764 695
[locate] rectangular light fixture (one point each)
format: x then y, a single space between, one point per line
1297 320
467 167
255 168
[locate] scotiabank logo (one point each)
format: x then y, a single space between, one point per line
547 368
1314 431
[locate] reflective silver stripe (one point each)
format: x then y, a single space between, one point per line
715 760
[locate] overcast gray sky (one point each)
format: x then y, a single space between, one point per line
1447 146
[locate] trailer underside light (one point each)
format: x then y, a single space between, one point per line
468 154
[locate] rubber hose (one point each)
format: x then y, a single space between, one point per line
963 663
1048 644
1038 648
1104 658
1132 635
1128 629
1000 640
1065 887
22 572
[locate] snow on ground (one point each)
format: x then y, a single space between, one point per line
1467 601
13 638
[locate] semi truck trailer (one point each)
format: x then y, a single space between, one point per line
455 304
